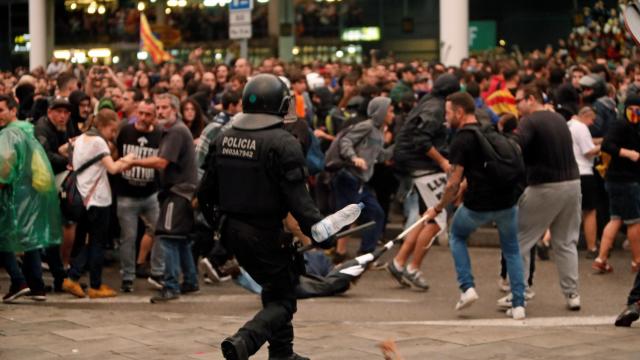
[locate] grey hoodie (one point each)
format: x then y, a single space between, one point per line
365 139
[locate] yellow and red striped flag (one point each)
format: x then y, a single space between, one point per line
150 43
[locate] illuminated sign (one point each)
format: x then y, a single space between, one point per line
371 33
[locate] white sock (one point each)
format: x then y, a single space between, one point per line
397 265
411 270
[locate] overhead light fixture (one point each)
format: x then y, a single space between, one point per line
99 53
339 54
101 9
142 55
73 6
141 6
115 59
93 7
167 11
62 54
295 50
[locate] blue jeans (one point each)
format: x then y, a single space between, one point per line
31 269
465 222
350 190
177 256
129 209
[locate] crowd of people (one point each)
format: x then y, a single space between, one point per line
137 140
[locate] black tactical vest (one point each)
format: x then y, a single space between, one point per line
249 174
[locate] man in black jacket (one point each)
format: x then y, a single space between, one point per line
54 132
420 155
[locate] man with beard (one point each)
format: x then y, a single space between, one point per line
176 165
54 132
137 192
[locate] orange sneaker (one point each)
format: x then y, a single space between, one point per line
103 292
73 288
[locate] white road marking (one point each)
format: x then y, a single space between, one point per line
504 322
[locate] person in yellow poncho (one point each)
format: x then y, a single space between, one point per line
29 207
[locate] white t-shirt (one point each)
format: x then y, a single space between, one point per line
582 144
85 148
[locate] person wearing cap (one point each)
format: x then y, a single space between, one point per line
406 76
54 132
594 94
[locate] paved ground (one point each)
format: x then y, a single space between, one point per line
424 325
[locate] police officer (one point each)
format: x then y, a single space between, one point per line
255 176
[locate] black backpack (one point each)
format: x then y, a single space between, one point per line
72 205
503 164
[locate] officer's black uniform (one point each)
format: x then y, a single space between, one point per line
260 176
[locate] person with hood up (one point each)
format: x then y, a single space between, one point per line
594 94
80 110
420 156
363 146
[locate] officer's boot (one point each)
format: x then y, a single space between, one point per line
293 356
234 348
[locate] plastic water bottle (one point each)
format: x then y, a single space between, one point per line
330 225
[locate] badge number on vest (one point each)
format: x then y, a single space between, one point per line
239 147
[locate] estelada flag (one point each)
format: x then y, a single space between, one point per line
150 43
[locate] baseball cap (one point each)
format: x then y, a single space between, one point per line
60 102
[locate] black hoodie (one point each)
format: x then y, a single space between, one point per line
425 128
75 98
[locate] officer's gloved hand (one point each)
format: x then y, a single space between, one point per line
330 225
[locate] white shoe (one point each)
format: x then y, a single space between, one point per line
467 298
503 285
573 302
505 302
516 313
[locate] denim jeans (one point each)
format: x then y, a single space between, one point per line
31 273
177 256
350 190
91 252
465 222
53 257
129 209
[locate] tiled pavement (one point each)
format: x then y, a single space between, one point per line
43 332
424 325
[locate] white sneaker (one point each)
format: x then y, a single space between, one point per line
503 285
516 313
505 302
467 298
573 302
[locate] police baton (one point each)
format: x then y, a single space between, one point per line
398 239
359 228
